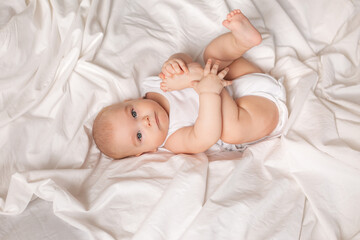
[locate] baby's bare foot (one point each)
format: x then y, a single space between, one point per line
244 32
182 81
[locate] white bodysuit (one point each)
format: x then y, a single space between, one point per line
184 104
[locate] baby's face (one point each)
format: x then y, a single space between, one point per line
140 126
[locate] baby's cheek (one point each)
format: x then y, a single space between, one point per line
160 139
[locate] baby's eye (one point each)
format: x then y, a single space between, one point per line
133 113
139 135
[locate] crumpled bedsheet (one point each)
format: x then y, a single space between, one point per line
63 60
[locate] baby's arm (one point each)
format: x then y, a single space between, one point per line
207 129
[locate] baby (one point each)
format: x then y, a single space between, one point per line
204 108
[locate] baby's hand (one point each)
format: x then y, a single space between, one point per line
173 66
212 82
182 81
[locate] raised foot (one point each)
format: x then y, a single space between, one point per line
244 32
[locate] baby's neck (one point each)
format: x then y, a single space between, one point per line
161 100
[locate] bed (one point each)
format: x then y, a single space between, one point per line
63 60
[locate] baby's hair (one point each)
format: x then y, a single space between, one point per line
103 132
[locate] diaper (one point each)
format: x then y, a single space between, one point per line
263 85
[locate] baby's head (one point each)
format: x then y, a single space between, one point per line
130 128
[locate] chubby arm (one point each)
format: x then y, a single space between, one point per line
208 126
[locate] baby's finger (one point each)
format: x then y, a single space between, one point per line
215 67
223 73
183 66
207 67
176 68
163 68
164 71
169 71
226 83
167 74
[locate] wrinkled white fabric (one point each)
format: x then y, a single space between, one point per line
61 61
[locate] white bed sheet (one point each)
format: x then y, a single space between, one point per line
39 222
63 60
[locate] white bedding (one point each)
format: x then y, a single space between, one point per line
63 60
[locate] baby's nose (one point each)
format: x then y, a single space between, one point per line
146 121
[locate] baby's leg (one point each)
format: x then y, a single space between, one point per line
229 47
247 118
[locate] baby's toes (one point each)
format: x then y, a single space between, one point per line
164 87
229 16
226 23
232 13
162 76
